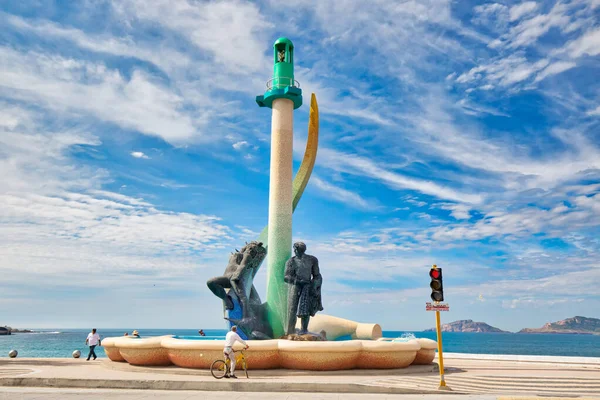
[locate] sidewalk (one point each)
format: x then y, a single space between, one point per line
465 374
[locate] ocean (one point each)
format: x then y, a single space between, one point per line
62 342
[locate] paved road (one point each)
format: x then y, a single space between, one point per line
98 394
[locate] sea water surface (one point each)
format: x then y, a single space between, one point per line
56 343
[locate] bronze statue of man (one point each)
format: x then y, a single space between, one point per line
304 279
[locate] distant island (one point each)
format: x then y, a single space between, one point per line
574 325
467 325
7 330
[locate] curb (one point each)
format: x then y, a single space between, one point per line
244 386
278 372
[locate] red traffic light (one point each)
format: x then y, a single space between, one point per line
436 285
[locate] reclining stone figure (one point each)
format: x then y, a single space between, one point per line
239 276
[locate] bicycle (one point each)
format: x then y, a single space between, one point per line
220 368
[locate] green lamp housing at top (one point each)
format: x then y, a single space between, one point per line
282 85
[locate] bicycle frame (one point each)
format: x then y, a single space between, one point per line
238 359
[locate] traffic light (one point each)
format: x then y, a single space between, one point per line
437 286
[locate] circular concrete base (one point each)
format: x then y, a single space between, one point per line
272 354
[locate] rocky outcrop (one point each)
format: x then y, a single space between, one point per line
467 325
7 330
574 325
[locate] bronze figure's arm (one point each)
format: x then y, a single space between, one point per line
290 272
316 273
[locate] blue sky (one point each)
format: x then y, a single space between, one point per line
134 158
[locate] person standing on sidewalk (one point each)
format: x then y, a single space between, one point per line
230 340
93 340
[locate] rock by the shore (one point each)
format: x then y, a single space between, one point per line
15 330
467 325
574 325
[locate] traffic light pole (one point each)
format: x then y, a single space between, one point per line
438 328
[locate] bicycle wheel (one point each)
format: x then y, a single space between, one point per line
218 369
245 366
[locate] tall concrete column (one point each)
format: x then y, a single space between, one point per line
283 96
280 209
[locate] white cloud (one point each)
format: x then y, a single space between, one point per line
475 109
503 71
536 302
508 161
458 211
595 111
525 221
361 166
516 12
58 220
492 16
342 195
68 85
555 68
240 145
139 154
165 58
234 32
522 72
516 67
530 30
587 44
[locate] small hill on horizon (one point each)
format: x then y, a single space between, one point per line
574 325
467 325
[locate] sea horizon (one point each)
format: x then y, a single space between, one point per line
61 342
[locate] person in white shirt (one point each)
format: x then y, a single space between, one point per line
230 340
93 340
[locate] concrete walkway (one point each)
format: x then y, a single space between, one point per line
119 394
464 375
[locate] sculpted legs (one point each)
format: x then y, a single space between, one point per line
304 320
293 298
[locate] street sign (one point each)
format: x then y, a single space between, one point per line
437 307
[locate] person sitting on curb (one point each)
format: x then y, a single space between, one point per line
230 340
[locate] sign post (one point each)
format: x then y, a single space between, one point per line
437 296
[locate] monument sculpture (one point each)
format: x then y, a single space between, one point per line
293 283
283 95
304 278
